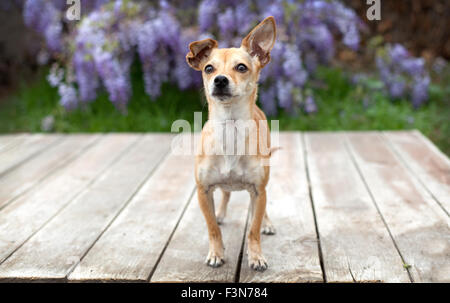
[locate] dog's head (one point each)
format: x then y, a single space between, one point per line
230 73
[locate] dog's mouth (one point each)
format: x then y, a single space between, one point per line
222 95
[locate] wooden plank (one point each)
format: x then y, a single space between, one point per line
418 225
22 152
184 258
425 162
20 220
292 253
57 248
10 140
26 176
130 248
356 246
5 140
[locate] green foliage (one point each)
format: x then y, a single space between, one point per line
342 106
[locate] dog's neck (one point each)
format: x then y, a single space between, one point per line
238 109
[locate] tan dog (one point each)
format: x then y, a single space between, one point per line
230 78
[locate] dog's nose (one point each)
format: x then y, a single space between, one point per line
221 81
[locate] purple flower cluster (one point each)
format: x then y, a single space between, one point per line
313 29
47 18
56 75
68 96
108 39
104 51
158 45
103 46
229 19
305 40
402 74
44 17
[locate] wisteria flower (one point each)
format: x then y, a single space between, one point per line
402 74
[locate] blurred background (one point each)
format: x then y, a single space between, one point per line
119 65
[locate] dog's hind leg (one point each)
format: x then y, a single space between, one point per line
267 226
223 206
215 256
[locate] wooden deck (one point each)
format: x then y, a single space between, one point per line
358 206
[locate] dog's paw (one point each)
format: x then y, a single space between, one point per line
214 259
268 229
257 262
220 218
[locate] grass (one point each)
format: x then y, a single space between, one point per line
340 104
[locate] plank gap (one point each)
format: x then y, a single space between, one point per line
171 235
352 157
242 252
311 199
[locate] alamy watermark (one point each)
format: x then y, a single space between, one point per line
374 11
225 138
73 12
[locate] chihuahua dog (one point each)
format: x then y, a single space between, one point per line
230 78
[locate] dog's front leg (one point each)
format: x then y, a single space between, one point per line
215 256
256 259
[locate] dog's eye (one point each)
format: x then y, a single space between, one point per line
209 69
241 68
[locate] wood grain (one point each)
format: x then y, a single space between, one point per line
20 153
418 225
53 251
425 162
356 246
184 258
26 176
130 248
18 221
103 203
8 141
292 253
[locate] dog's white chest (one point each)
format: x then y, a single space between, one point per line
229 167
227 138
231 172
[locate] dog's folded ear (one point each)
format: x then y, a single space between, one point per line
260 41
199 51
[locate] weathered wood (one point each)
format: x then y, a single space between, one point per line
130 248
356 246
425 161
26 176
95 202
418 225
22 152
6 139
292 253
53 251
184 258
18 221
9 141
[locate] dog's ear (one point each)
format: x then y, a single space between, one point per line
199 51
260 41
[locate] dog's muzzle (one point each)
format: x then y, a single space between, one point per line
221 88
